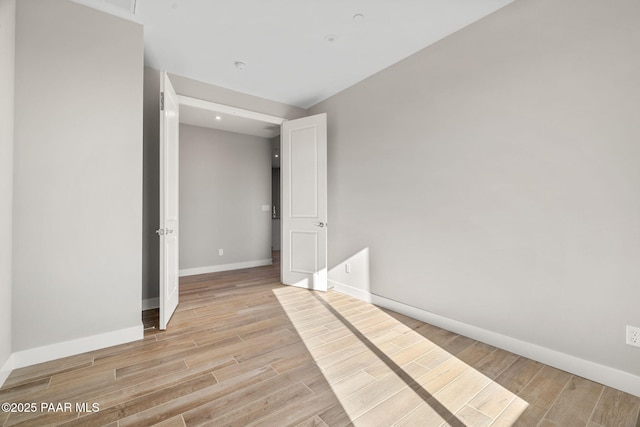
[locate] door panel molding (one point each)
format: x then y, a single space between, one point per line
303 172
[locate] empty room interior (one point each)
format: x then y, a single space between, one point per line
303 213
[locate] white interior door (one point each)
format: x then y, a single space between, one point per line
169 230
303 166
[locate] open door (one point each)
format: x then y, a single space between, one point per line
303 166
169 151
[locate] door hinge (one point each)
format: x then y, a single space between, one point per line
161 101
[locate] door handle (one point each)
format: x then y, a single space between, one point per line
321 224
163 231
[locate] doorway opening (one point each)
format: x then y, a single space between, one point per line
303 193
228 160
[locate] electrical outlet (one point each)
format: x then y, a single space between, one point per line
220 252
633 336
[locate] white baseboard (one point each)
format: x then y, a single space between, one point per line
46 353
6 369
596 372
150 303
351 291
224 267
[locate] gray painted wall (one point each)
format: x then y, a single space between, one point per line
7 69
276 234
78 173
225 178
151 186
495 177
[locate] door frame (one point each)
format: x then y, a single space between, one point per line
231 110
228 109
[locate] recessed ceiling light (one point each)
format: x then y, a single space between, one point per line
330 38
358 17
218 117
276 156
240 65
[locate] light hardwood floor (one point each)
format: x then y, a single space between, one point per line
243 350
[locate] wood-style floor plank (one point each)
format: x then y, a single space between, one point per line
616 408
576 403
243 350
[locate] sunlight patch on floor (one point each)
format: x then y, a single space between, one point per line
385 373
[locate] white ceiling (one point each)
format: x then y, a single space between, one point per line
283 42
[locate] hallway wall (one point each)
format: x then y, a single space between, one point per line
225 181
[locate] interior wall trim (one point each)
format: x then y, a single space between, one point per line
602 374
32 356
6 369
224 267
